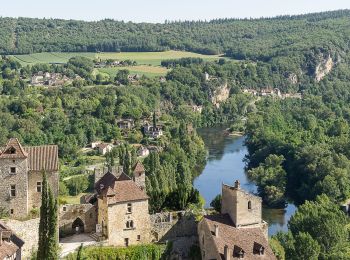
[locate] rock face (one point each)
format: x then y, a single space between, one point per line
323 68
221 94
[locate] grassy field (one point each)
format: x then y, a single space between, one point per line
142 58
149 71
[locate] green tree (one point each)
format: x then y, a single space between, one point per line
306 247
216 203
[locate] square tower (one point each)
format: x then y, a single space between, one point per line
243 208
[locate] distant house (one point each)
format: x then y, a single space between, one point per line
196 108
95 144
104 148
153 131
142 151
10 244
126 123
134 77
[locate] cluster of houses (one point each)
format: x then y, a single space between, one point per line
50 79
149 130
113 63
271 92
141 150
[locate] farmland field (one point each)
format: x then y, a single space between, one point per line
142 58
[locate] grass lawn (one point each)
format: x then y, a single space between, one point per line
149 71
142 58
72 199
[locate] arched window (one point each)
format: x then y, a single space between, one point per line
249 205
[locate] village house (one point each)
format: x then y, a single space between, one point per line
238 232
21 171
123 216
49 79
126 124
104 148
142 151
10 244
153 131
95 144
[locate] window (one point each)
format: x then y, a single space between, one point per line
14 161
249 205
13 170
129 208
138 237
11 211
13 190
12 150
126 241
129 224
64 208
39 186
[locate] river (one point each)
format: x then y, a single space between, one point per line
225 165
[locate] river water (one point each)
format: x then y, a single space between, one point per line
225 165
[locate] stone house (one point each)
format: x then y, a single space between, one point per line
104 148
238 232
126 124
10 244
142 151
21 171
153 131
123 210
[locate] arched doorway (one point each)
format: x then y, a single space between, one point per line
78 226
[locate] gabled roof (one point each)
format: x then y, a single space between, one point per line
106 181
123 177
245 238
12 243
13 150
126 191
139 168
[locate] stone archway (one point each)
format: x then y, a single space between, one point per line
78 226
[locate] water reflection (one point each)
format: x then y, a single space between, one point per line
225 165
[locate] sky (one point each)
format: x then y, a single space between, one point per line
161 10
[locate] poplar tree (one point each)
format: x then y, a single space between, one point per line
48 239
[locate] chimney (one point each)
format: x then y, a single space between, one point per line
237 184
216 230
227 253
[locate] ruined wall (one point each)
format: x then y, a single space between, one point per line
19 203
70 212
118 217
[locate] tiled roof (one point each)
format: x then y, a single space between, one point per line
13 150
42 157
231 236
106 181
12 243
139 168
126 191
123 177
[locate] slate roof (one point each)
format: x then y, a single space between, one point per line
245 238
40 158
10 242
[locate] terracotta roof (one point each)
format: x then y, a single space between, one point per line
126 191
10 243
42 157
106 181
139 168
246 238
13 150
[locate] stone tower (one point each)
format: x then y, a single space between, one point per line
244 208
139 175
14 179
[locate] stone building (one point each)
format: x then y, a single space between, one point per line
21 171
123 215
10 244
238 232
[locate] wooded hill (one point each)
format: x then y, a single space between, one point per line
256 39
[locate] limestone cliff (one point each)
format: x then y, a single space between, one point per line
323 68
221 94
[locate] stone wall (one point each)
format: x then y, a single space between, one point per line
19 203
118 217
206 242
34 199
70 212
173 225
28 231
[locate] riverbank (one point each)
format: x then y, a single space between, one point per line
225 165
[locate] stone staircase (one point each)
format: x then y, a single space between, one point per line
96 236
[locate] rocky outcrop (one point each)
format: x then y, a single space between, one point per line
323 68
221 94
